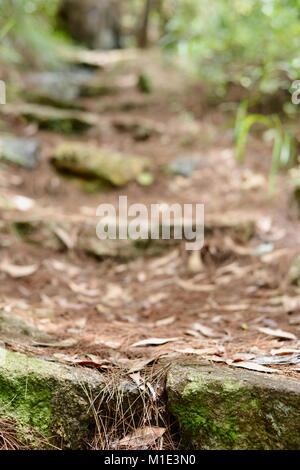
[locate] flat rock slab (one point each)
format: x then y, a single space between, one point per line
15 329
20 151
50 403
54 119
60 232
222 408
91 161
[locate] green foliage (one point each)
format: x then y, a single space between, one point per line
26 34
283 146
252 43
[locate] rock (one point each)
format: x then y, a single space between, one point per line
184 166
239 228
49 118
48 402
16 329
294 271
20 151
89 243
222 408
48 232
90 161
61 88
140 129
98 87
99 59
39 232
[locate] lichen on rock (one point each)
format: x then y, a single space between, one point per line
50 403
220 408
91 161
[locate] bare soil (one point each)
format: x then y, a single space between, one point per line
106 306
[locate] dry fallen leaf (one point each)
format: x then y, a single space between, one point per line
153 342
156 298
112 343
277 333
205 330
115 296
198 352
195 264
165 321
17 271
84 290
141 438
139 364
279 359
255 367
284 351
65 343
65 268
242 357
65 238
190 287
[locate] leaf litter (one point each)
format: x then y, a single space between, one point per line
132 312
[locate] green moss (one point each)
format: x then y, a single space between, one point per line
197 419
25 398
47 400
225 409
94 162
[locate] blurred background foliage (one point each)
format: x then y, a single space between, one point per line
27 32
243 51
252 44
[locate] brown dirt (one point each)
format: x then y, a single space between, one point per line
117 303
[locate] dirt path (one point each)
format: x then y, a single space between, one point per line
226 308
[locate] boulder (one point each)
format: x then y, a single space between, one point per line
53 119
91 161
23 152
49 403
60 88
61 233
184 166
16 329
219 408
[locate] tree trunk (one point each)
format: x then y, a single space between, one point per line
143 33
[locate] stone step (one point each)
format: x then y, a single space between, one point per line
219 408
49 403
216 407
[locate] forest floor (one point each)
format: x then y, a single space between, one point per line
232 304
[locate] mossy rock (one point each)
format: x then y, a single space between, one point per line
60 89
220 408
39 232
94 162
13 327
49 118
47 233
50 403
